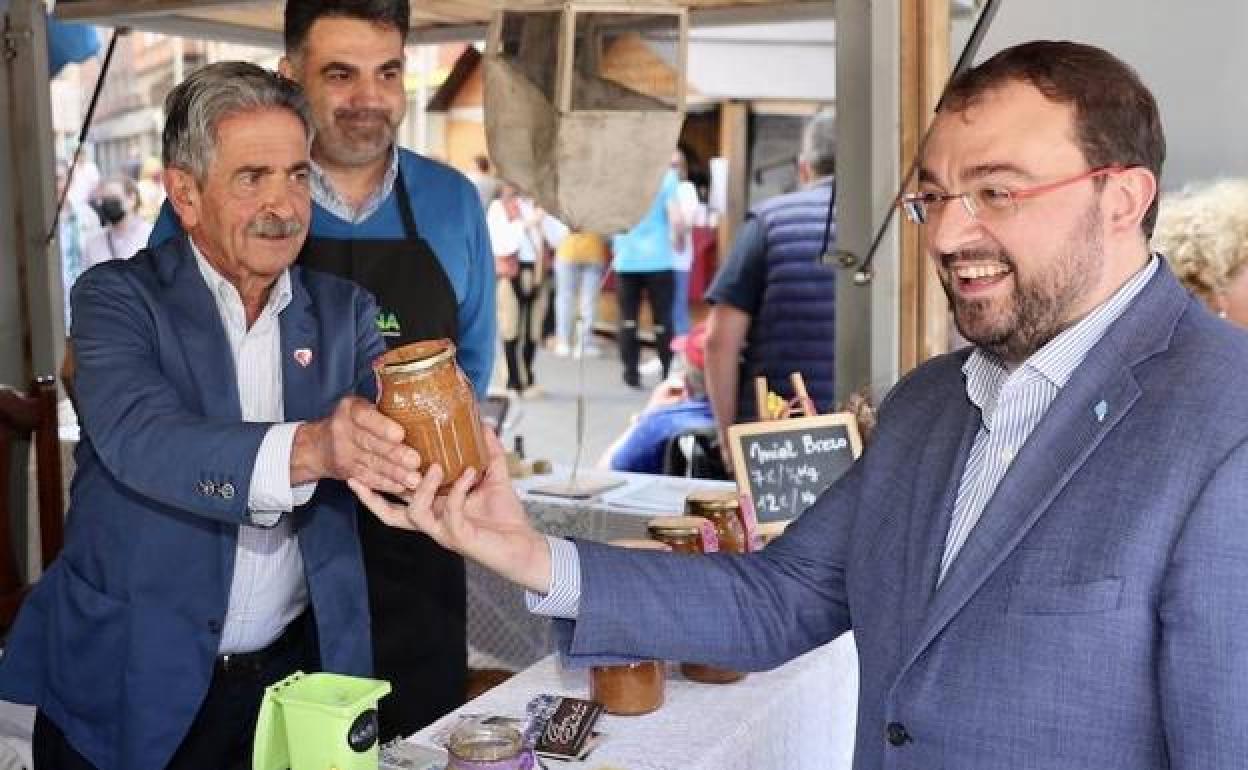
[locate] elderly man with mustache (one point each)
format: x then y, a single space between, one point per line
212 548
409 230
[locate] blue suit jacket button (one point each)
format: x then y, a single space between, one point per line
897 734
227 491
207 488
214 626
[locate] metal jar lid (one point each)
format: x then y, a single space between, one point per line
641 544
676 525
705 500
477 742
420 364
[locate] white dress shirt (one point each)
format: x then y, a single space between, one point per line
268 588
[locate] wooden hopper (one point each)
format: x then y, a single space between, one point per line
591 150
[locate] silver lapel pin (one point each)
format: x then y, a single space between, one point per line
1100 410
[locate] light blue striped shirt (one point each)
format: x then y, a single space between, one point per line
324 193
267 589
1011 404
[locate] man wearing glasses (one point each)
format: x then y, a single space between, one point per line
1044 552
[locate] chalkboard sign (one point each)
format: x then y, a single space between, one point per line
782 466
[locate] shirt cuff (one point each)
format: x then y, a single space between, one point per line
271 494
564 599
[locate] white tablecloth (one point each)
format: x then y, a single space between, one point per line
799 716
501 632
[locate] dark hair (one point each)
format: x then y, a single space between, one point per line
1116 118
302 14
482 163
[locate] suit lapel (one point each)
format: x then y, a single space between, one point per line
302 357
201 332
943 459
1098 396
1058 447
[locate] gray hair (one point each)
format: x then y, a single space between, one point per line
196 106
819 142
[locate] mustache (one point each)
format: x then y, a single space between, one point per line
361 114
273 226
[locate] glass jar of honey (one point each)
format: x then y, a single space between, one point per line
723 509
630 689
684 534
424 390
693 534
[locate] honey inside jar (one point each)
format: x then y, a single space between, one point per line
424 390
723 509
684 534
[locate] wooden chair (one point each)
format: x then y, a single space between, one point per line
23 418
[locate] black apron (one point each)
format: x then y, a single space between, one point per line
415 588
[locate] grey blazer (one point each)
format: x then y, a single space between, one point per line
1097 616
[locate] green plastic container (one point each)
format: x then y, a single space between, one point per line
319 722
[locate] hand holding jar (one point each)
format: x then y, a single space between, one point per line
479 517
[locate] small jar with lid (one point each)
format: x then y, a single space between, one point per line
693 534
424 390
684 534
723 509
636 688
480 746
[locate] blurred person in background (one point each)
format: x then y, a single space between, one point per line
579 263
518 237
674 409
1203 231
773 302
642 260
124 231
151 189
682 218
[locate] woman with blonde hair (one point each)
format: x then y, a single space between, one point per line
1203 231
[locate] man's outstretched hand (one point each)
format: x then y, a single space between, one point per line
481 519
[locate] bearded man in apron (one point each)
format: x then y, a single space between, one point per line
410 231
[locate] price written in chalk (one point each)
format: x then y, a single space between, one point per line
784 465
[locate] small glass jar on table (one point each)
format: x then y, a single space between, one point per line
723 509
630 689
684 534
693 534
480 746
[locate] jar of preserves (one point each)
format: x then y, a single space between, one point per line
693 534
630 689
684 534
424 390
723 509
480 746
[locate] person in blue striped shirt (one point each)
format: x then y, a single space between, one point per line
1043 553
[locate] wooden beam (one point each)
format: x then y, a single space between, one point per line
102 10
925 66
734 129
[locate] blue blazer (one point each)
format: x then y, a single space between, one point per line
1096 618
117 641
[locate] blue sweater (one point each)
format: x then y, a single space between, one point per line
448 215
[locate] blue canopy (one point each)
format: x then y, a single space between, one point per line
67 43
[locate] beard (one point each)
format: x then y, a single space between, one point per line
357 137
1040 307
